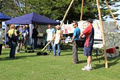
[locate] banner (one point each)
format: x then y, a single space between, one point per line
68 28
111 34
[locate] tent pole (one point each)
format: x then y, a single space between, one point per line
102 32
81 10
30 32
5 34
115 22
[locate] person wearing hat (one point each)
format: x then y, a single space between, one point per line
88 46
57 39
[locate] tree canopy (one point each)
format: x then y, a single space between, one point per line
54 9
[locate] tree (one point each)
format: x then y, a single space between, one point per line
54 9
10 8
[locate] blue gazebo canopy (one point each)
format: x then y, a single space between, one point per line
31 18
4 17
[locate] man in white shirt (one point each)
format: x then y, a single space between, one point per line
50 34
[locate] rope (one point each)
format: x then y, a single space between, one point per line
115 22
81 10
67 12
101 24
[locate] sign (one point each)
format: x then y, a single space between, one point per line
112 35
68 28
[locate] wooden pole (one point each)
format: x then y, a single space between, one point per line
115 22
102 32
67 12
81 10
61 23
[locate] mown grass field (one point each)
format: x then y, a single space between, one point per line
29 66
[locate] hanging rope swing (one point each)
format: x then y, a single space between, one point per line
115 22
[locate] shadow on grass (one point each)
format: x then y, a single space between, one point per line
96 59
69 51
113 62
98 66
17 57
21 56
5 53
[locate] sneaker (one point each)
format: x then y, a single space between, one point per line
17 52
48 51
75 62
86 68
54 55
89 67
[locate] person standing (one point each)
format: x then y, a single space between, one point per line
25 34
75 38
44 39
35 36
20 39
57 38
88 46
13 40
50 34
1 41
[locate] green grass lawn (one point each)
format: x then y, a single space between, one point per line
29 66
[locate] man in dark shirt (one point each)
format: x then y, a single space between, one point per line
34 36
89 33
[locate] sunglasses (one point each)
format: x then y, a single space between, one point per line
74 24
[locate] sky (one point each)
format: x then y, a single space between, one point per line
116 7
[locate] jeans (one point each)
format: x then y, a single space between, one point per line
54 49
12 49
51 45
28 41
0 48
34 42
19 46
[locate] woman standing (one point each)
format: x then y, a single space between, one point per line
1 42
13 40
20 39
25 35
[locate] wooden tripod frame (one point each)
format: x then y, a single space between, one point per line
61 23
101 24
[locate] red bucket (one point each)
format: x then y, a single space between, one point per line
111 50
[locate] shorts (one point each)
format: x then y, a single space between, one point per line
87 51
